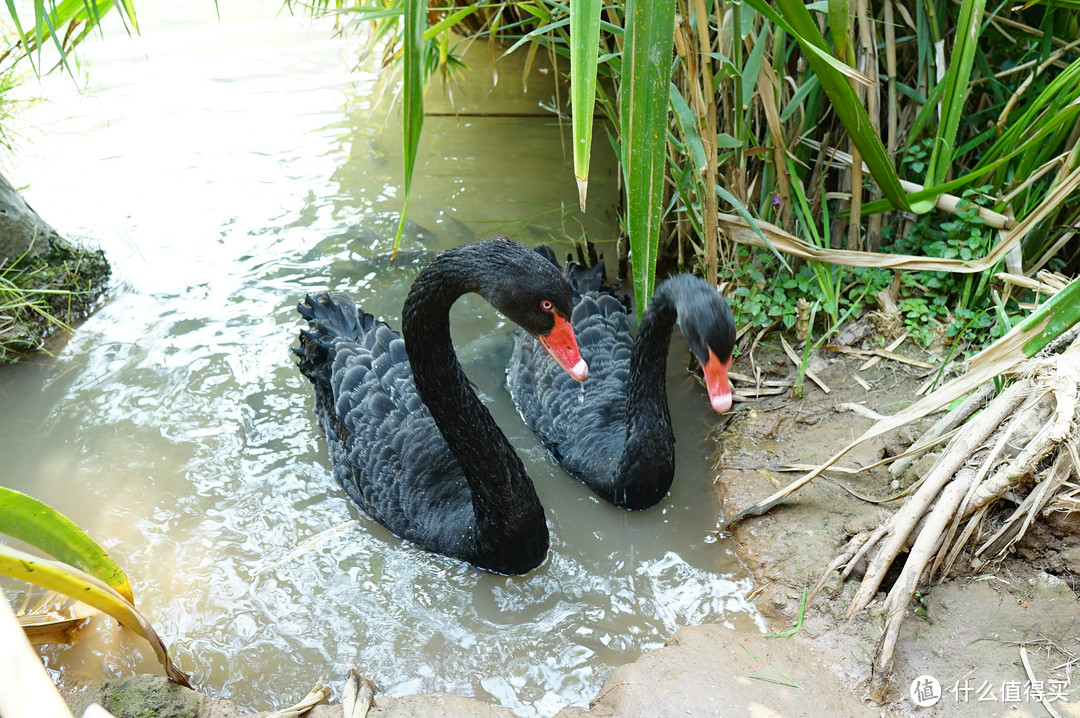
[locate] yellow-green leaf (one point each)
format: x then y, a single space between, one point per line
81 586
48 530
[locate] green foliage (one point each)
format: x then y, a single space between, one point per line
933 306
82 570
761 301
955 306
916 158
43 294
25 311
60 25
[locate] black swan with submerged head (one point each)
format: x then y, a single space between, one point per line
408 438
613 432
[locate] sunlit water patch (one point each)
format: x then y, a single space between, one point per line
228 169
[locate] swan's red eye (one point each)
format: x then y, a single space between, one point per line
546 305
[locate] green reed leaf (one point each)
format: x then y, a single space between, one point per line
412 98
646 77
584 52
953 97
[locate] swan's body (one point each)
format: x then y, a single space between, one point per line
409 440
613 432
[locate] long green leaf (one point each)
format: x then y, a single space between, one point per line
413 99
43 527
834 78
688 127
1059 314
449 21
643 110
753 65
584 51
952 100
22 34
1065 118
70 581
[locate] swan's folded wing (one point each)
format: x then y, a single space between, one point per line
577 421
386 450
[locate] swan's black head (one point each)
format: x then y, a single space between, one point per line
709 328
531 292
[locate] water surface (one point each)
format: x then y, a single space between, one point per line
228 168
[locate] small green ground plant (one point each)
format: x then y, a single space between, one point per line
932 307
42 296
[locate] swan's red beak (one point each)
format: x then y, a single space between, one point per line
716 381
561 344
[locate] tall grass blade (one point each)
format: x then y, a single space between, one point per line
643 110
45 528
584 53
952 100
688 127
412 99
22 34
835 77
449 21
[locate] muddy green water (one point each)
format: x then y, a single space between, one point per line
228 168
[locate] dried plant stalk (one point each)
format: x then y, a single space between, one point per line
897 529
944 425
895 605
1032 421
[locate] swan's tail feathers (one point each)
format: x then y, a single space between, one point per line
586 274
329 317
590 281
586 254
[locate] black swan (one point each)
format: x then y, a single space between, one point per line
409 439
614 432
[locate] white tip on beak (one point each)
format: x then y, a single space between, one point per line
721 403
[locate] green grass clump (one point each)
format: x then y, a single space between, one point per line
46 295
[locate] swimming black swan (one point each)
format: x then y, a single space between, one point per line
613 432
409 440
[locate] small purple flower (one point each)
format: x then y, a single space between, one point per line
776 200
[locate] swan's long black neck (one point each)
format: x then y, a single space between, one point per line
503 496
647 465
